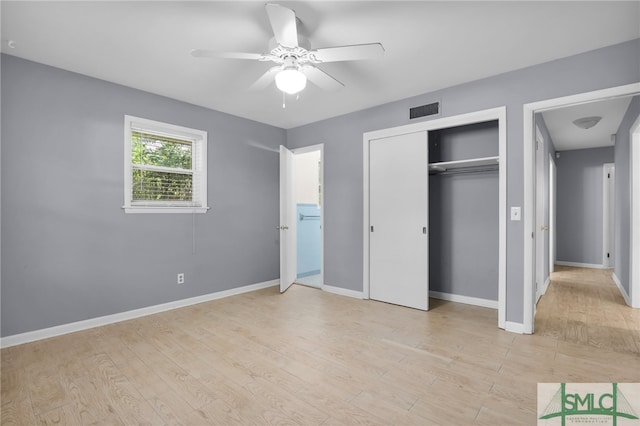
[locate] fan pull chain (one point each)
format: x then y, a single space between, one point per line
284 99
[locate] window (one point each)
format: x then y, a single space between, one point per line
165 168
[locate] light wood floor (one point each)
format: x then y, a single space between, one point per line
314 358
584 306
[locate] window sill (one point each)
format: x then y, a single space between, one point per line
172 209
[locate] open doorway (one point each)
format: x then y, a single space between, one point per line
308 200
531 254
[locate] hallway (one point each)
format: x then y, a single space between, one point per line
584 306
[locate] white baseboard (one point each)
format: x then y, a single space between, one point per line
514 327
581 265
541 293
545 286
342 291
624 293
45 333
485 303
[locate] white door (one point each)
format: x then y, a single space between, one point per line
552 214
608 215
287 225
541 226
398 215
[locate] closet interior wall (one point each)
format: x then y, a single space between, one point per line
463 213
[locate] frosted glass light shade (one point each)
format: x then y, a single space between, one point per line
291 81
587 122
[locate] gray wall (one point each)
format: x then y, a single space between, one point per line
580 204
622 211
549 149
463 214
608 67
70 252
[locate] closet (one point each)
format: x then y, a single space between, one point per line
463 213
435 203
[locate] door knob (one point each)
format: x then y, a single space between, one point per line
544 228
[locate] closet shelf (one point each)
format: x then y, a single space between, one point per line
459 164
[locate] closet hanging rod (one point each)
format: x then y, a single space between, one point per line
464 164
309 217
465 171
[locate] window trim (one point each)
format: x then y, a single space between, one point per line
199 161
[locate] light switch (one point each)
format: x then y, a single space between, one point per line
515 213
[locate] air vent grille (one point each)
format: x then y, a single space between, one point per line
424 110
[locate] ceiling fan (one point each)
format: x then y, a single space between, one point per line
296 61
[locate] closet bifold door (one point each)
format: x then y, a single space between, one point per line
398 214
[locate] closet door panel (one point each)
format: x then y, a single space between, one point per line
398 182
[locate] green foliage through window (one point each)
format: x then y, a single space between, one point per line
161 186
160 151
161 168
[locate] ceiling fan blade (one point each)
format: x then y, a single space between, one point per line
266 79
321 78
201 53
353 52
283 23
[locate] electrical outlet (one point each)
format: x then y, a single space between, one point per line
180 278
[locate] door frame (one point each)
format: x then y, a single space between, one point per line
529 111
607 218
634 252
499 114
553 199
305 150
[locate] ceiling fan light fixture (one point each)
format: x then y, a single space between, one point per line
587 122
294 57
291 80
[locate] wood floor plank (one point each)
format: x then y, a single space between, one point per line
61 416
235 397
175 411
386 410
172 374
47 390
222 414
16 408
460 410
143 377
319 395
88 401
287 405
497 411
125 400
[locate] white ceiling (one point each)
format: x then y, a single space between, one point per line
566 136
429 46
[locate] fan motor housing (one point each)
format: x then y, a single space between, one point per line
302 42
